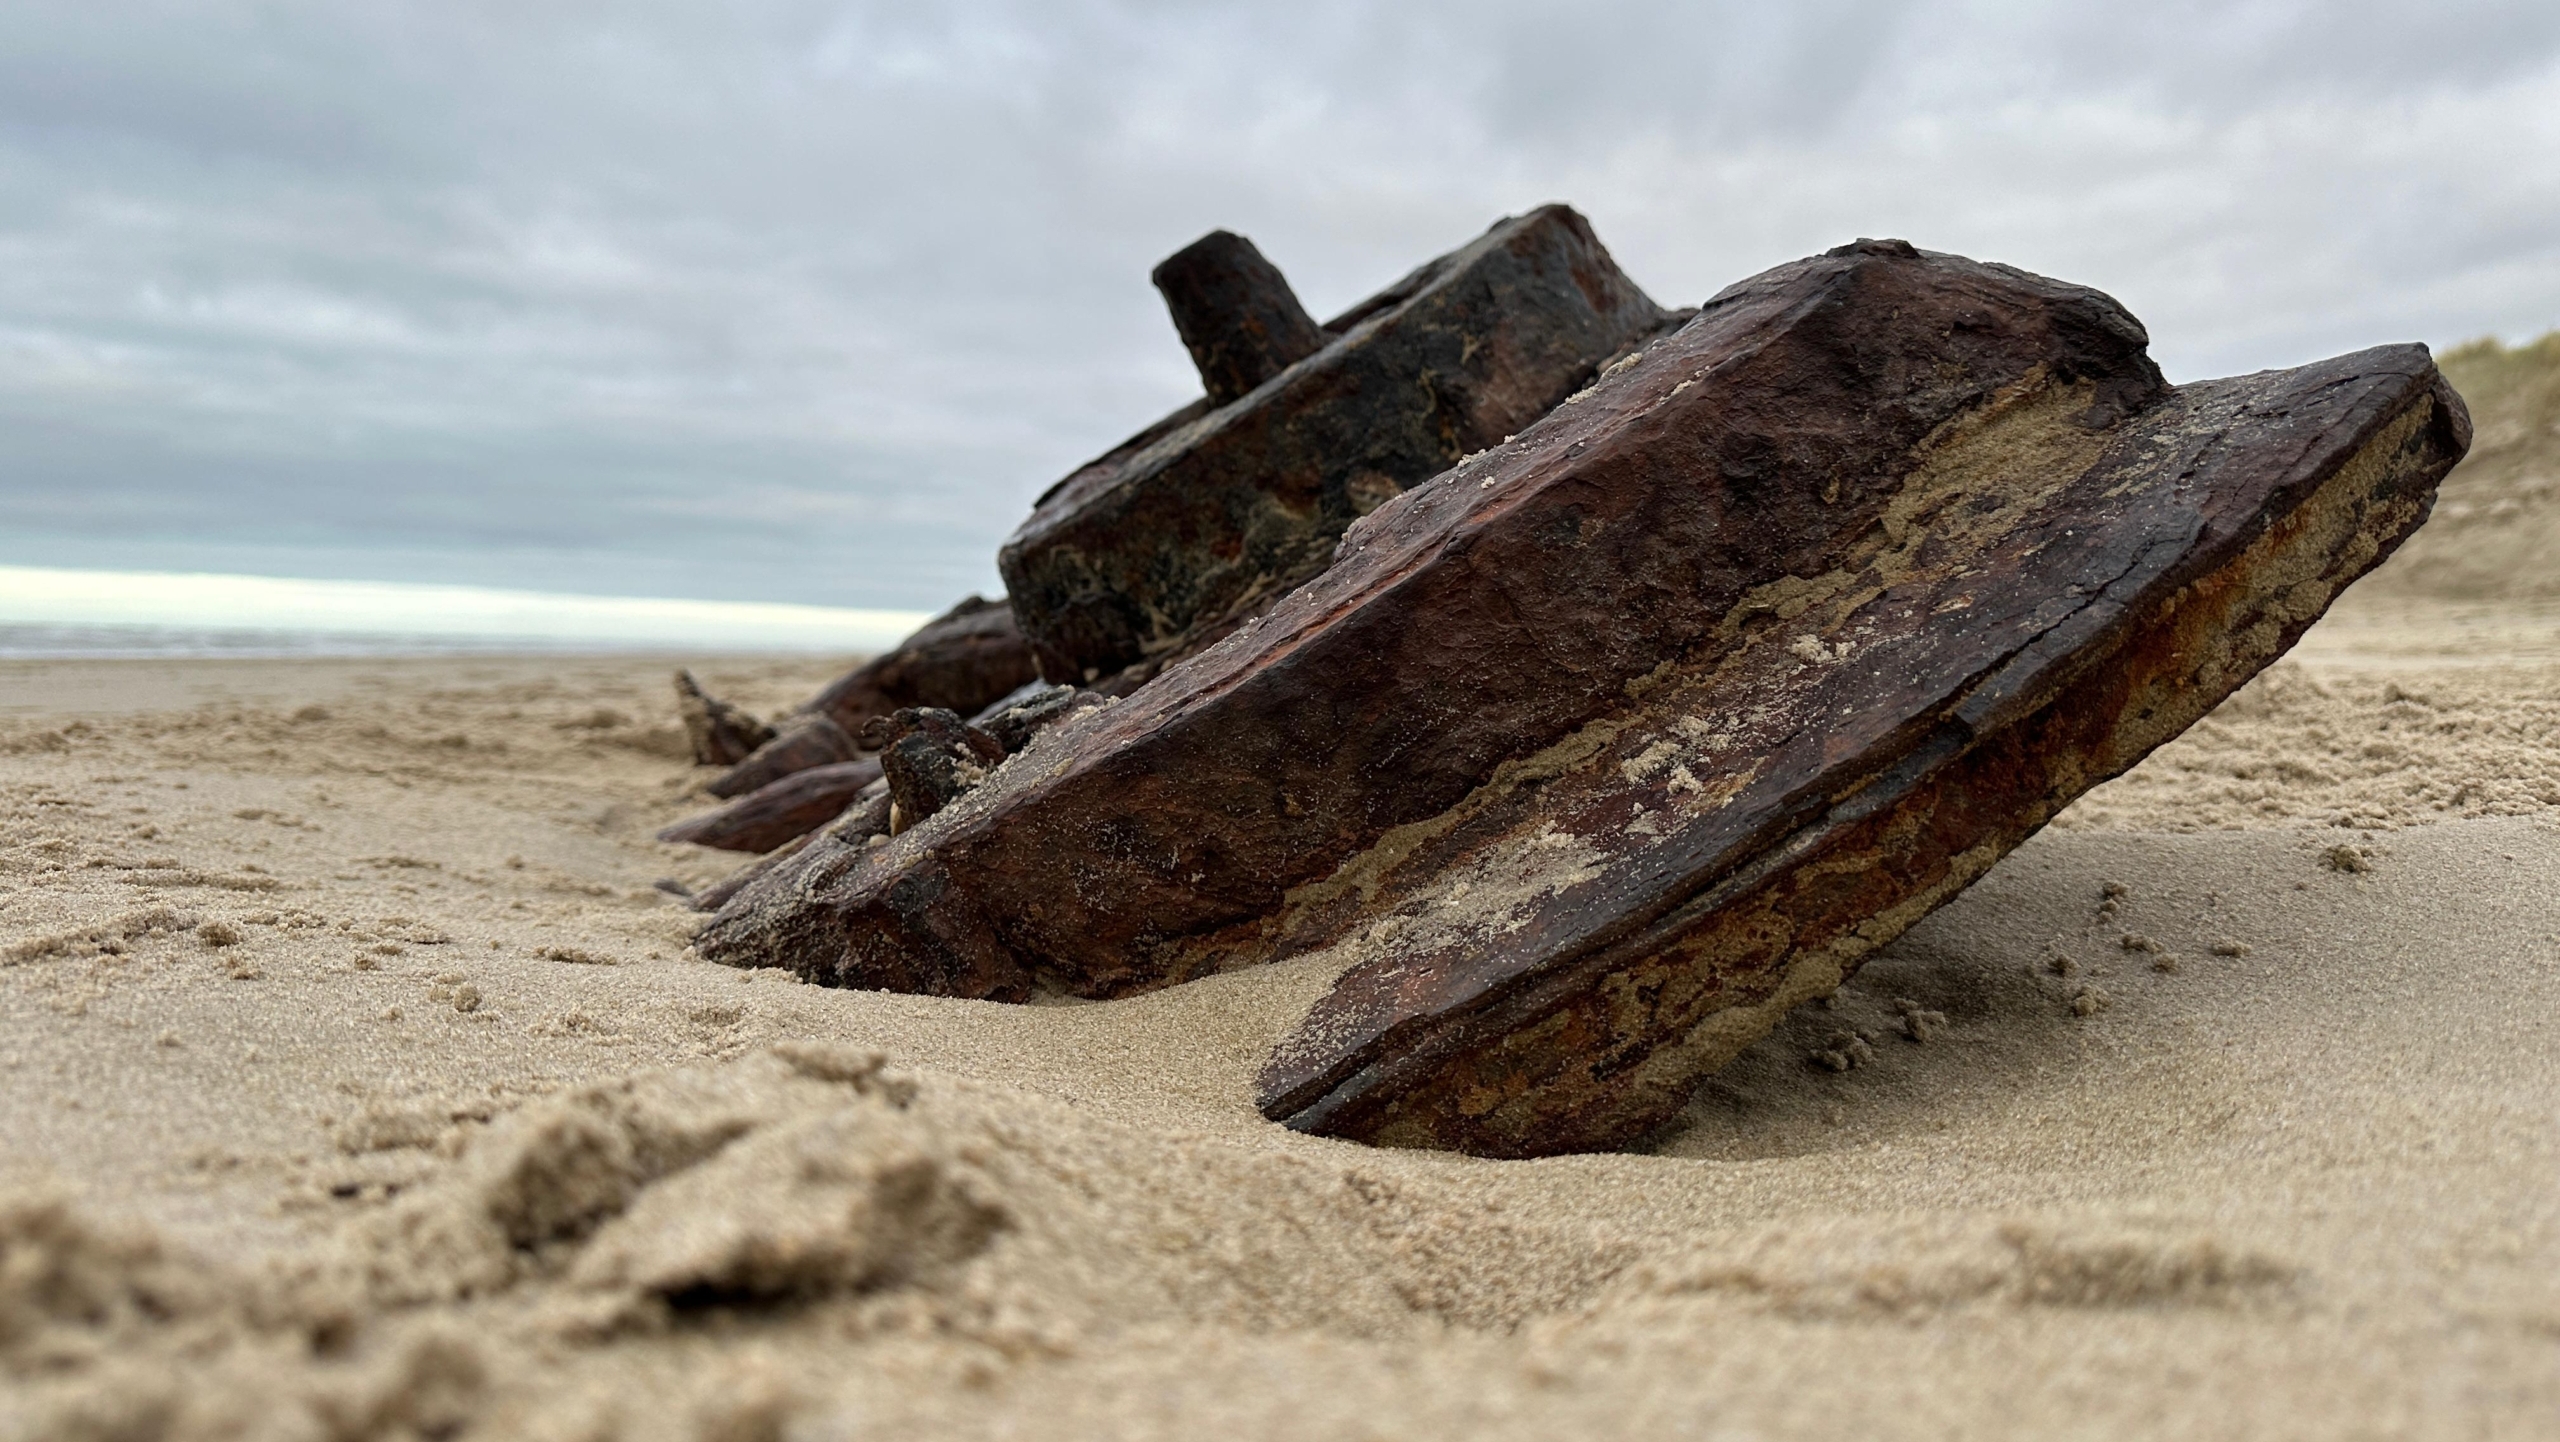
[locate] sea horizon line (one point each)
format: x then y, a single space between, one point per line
214 602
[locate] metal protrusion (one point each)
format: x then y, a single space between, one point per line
1237 315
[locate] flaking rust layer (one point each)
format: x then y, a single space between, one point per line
1150 552
1553 965
1475 631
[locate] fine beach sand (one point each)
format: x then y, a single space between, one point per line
359 1084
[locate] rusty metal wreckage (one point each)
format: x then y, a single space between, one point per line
1590 682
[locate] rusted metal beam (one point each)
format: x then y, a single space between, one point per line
1469 625
767 817
803 741
911 769
1204 519
1588 760
1567 960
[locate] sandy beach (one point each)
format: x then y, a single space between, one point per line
362 1085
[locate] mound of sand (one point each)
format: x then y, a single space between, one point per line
361 1086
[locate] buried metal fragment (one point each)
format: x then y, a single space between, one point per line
1205 518
928 758
776 812
1596 754
719 733
1588 760
800 802
802 741
1649 526
1552 965
931 758
961 660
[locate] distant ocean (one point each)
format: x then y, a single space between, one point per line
21 641
46 613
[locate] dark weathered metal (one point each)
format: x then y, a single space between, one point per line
775 813
1552 965
931 758
867 817
1654 523
1588 760
802 801
872 811
1023 714
802 741
1235 313
720 734
961 660
1204 519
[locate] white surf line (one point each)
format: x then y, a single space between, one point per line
45 596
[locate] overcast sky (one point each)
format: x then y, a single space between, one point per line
804 302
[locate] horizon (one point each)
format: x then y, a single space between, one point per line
81 612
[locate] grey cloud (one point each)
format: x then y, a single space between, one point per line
803 301
2223 58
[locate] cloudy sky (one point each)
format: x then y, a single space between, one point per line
803 302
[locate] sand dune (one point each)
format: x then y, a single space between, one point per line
2496 528
361 1086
